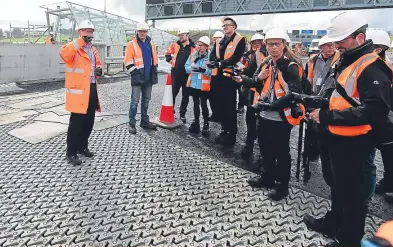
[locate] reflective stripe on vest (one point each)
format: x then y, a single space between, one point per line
348 80
280 90
259 58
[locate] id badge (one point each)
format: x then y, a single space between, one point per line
199 76
319 81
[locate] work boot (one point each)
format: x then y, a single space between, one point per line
183 118
148 125
73 159
389 197
220 138
261 182
86 152
279 193
205 130
384 186
229 140
195 127
324 225
132 129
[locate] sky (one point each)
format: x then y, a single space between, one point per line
13 12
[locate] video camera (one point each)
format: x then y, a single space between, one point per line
311 102
262 105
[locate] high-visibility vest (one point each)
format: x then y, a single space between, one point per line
259 56
48 40
280 90
348 80
175 48
311 62
229 51
78 75
133 55
205 79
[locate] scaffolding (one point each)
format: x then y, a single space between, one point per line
111 29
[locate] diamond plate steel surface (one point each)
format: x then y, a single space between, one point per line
140 191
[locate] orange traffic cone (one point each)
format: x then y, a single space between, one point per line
167 116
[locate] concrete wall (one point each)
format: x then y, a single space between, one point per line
33 62
30 62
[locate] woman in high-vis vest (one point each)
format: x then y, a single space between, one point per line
358 107
83 67
251 60
199 84
279 76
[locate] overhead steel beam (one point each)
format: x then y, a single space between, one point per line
169 9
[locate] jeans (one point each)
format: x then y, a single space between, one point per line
135 96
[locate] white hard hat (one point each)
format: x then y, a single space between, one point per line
183 30
218 34
257 36
277 33
142 26
205 40
379 37
344 25
50 32
324 40
86 24
229 18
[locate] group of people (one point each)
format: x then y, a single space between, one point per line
351 71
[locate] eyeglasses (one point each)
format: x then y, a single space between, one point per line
271 44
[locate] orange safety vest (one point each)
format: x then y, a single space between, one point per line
205 79
134 56
348 80
48 40
77 75
174 48
229 51
280 90
259 57
311 62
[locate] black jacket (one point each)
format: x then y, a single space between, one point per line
239 51
373 86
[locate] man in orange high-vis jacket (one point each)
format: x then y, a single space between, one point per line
180 52
227 52
83 66
141 60
360 102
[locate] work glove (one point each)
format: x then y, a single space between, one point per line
98 71
87 39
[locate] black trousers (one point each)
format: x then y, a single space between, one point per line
251 121
214 95
353 184
200 100
241 100
81 125
273 139
323 146
387 158
227 105
180 83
